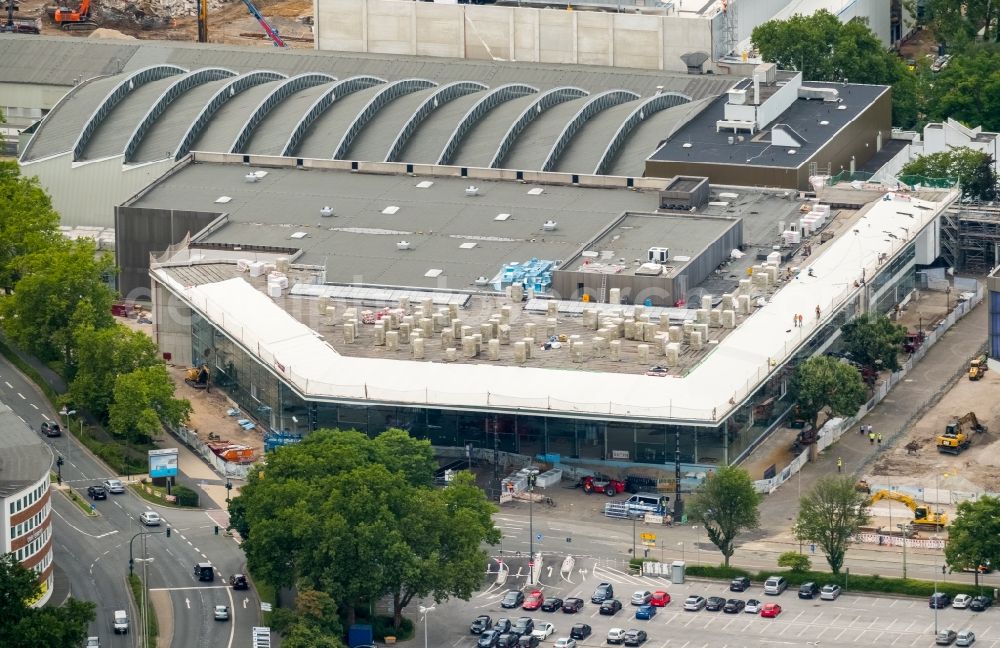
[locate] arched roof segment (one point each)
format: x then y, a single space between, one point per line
383 97
322 104
478 112
272 100
649 107
595 105
544 101
444 94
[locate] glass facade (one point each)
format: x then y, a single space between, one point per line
994 324
894 282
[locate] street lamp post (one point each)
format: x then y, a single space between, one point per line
229 487
695 529
905 529
531 528
131 560
424 611
68 413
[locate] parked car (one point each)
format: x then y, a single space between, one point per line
528 641
980 603
965 638
512 599
534 600
616 635
939 600
93 642
572 605
770 610
114 486
740 584
714 603
97 492
502 625
645 612
150 518
641 597
829 592
543 630
602 484
51 429
775 585
221 613
565 642
945 637
610 607
694 603
552 604
524 625
752 607
239 582
961 601
808 590
733 606
481 624
659 598
488 639
635 637
508 640
580 631
603 592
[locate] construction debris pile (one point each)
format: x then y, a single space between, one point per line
149 14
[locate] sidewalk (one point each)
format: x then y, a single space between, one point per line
927 382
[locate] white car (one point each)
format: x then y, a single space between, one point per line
543 630
752 607
93 642
565 642
221 613
616 635
829 592
114 486
150 518
961 601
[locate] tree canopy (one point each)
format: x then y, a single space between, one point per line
358 519
726 503
103 355
142 400
830 515
22 626
959 21
29 225
822 381
968 89
874 341
973 170
974 535
825 49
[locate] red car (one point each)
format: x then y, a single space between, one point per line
602 484
660 598
534 601
770 610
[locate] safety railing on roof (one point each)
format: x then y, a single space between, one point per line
322 104
118 93
649 107
594 105
382 98
477 112
546 100
275 97
443 95
218 100
176 89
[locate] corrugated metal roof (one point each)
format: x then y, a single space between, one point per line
378 135
426 144
585 149
229 120
321 140
644 139
162 139
112 134
533 144
480 143
60 128
60 60
271 134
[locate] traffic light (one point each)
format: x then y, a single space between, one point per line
59 461
168 532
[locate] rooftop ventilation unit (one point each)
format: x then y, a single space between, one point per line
658 254
250 178
735 125
403 245
482 281
826 94
326 211
549 225
472 190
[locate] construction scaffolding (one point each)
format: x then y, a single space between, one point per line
970 236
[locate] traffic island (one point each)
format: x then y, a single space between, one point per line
88 509
150 632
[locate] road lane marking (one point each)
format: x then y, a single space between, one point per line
33 405
10 386
22 418
46 417
22 396
179 589
232 623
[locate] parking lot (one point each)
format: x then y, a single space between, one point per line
848 621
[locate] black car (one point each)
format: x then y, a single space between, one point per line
528 641
523 626
51 429
580 631
502 625
603 592
610 607
715 603
239 582
635 637
508 640
512 599
740 584
552 604
572 605
808 590
733 606
97 492
980 603
481 624
940 600
488 639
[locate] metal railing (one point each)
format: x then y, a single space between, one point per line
443 95
322 104
382 98
546 100
275 97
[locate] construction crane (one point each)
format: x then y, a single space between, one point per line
203 23
73 19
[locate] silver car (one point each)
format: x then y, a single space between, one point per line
641 598
965 638
830 592
114 486
150 518
221 613
694 603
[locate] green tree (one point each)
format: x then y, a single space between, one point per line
968 90
59 290
22 626
825 49
974 535
958 22
830 515
103 355
822 381
726 503
29 224
972 169
874 341
143 402
795 561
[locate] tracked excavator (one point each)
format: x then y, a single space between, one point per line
923 517
70 19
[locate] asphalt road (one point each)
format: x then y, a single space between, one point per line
92 553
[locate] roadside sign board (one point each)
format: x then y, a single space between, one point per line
648 539
163 463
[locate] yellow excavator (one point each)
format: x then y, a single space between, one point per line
923 518
197 377
958 434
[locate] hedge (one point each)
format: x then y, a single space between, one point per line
185 496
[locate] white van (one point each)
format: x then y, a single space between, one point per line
647 503
121 622
775 585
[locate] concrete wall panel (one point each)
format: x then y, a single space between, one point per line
440 34
526 41
488 31
637 41
558 40
391 27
